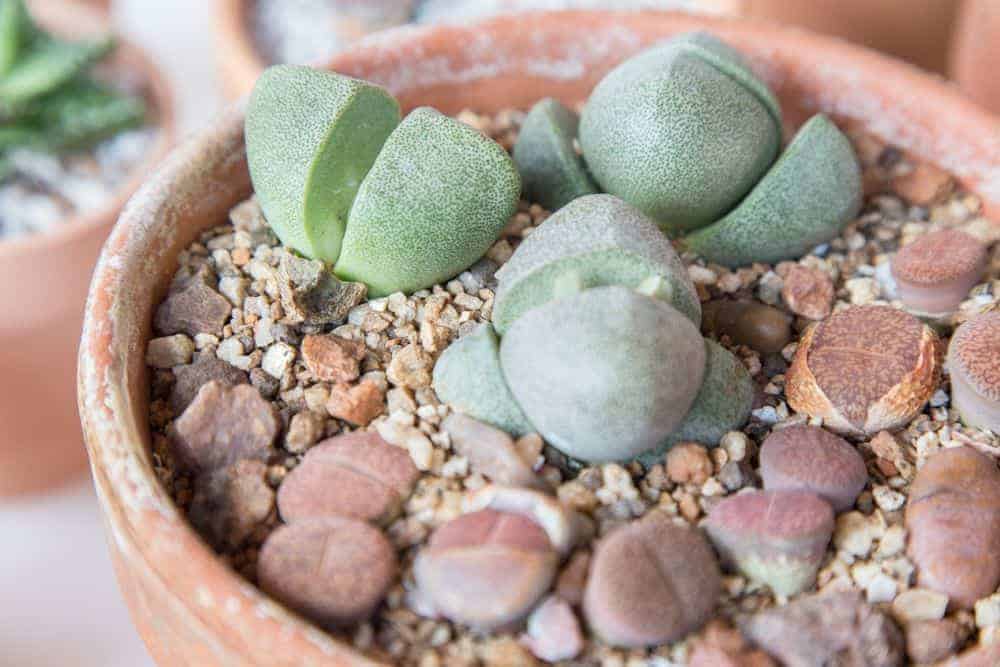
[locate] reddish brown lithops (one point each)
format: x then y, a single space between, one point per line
974 364
357 475
651 582
953 518
223 425
486 569
809 458
490 451
935 272
335 571
775 537
864 369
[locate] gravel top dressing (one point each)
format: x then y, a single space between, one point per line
587 443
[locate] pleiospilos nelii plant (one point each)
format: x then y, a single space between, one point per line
398 205
600 352
686 133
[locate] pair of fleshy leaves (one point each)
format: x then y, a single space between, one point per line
601 351
398 205
685 132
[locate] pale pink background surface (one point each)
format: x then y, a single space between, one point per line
59 602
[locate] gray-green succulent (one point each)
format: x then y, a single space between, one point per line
48 100
397 205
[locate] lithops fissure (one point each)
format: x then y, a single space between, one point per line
805 199
437 196
468 377
682 131
552 172
605 374
593 241
311 137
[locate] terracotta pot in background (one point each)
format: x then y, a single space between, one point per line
975 57
43 286
189 607
237 58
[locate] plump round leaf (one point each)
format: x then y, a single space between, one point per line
311 138
436 198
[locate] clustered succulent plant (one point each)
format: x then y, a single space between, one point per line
658 132
48 101
600 349
396 204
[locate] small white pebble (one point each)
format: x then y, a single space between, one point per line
988 611
919 604
882 588
169 351
887 499
736 444
278 360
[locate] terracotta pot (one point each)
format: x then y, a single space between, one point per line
238 60
43 286
190 608
975 57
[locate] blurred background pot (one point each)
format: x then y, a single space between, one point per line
43 286
975 56
190 608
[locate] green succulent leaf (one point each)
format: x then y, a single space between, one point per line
48 65
552 172
87 112
437 197
312 137
16 31
682 131
807 198
593 241
468 377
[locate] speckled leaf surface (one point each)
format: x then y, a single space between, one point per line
723 403
552 172
311 138
468 377
606 374
436 198
807 198
680 131
593 241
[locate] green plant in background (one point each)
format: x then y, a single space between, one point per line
48 101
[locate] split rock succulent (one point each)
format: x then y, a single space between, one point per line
682 131
593 241
935 272
605 374
552 172
974 363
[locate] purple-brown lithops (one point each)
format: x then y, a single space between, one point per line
974 364
809 458
651 582
486 569
953 518
357 475
864 369
935 272
335 571
775 537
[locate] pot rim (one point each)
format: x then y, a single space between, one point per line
159 96
114 404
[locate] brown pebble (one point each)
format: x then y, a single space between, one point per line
310 294
223 425
809 458
332 358
194 307
827 629
356 404
974 363
410 367
304 430
491 452
749 323
553 632
205 368
808 292
357 475
930 641
688 463
486 569
573 578
935 272
335 570
864 369
723 646
775 537
651 582
924 185
953 519
230 503
735 475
